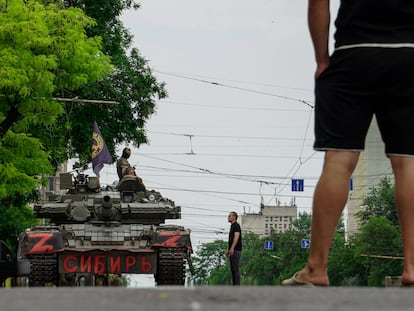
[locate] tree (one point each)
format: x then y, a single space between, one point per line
209 258
131 84
22 161
259 266
375 251
14 220
378 244
43 50
380 202
303 223
345 266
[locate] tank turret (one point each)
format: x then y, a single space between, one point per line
85 201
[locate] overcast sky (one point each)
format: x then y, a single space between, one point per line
237 125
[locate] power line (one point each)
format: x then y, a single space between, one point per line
250 178
231 107
223 155
246 82
233 193
237 88
158 168
229 136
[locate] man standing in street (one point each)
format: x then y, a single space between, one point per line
235 247
370 73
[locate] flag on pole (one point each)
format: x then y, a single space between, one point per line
100 152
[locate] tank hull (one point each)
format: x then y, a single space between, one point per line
96 236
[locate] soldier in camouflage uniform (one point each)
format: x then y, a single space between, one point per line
122 163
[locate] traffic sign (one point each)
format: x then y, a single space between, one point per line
305 243
268 245
297 184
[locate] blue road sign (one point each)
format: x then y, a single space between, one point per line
297 184
351 184
268 245
305 243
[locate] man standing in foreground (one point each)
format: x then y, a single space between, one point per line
370 73
235 247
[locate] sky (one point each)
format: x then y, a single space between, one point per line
237 125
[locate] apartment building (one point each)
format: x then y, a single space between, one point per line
268 219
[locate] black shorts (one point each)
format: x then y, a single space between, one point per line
358 84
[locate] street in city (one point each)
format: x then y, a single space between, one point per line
244 298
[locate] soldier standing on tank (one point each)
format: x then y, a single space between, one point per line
122 163
235 248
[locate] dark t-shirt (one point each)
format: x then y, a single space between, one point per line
374 21
235 227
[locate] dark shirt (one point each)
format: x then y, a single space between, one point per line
374 21
235 227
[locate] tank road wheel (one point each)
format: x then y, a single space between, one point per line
171 266
44 270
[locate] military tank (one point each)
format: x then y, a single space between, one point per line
94 235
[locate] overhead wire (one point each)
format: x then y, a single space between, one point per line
244 82
259 92
228 136
292 172
236 87
231 107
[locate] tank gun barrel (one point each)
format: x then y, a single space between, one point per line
107 211
107 202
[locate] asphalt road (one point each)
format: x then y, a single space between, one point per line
206 299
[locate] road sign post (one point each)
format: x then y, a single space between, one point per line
297 184
305 243
268 245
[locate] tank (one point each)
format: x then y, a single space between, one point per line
93 235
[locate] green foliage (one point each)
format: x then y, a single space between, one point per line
258 266
256 263
22 163
303 223
380 202
43 50
345 266
131 84
378 239
289 254
364 260
209 258
14 219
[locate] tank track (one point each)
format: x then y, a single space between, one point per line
44 270
171 266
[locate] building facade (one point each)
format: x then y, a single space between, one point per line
270 218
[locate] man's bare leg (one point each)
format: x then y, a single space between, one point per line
404 196
330 197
